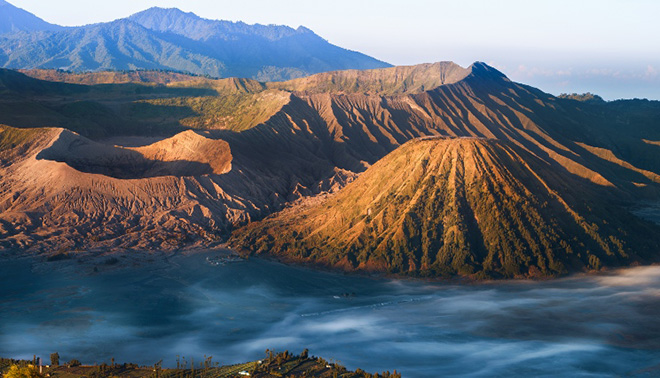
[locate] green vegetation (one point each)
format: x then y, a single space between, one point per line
282 364
229 111
16 371
55 359
112 76
584 97
11 137
11 368
169 39
145 103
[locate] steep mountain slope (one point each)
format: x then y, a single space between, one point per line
62 191
262 52
290 141
458 206
357 129
171 39
612 144
13 19
388 81
120 45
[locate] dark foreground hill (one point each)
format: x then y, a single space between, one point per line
171 39
166 161
458 206
274 365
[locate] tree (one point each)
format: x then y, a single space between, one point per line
55 359
74 363
29 371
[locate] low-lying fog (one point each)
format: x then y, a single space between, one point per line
582 326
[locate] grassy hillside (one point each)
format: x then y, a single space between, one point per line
11 137
109 77
138 103
228 111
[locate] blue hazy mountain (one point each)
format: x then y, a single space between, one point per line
171 39
13 19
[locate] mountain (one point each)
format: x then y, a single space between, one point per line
109 77
61 191
13 19
458 206
169 39
118 45
189 25
384 82
291 142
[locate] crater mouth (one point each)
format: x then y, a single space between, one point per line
185 154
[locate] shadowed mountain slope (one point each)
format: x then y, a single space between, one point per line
459 206
109 77
603 143
145 103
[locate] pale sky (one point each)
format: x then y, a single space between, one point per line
608 47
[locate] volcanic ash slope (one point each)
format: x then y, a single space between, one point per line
458 206
63 191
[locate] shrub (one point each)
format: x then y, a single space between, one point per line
74 363
22 372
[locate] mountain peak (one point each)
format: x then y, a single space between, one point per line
169 38
303 29
190 25
434 207
14 19
483 70
160 12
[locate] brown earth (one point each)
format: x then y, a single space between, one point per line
475 207
60 190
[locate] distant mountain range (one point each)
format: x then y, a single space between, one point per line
13 19
170 39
